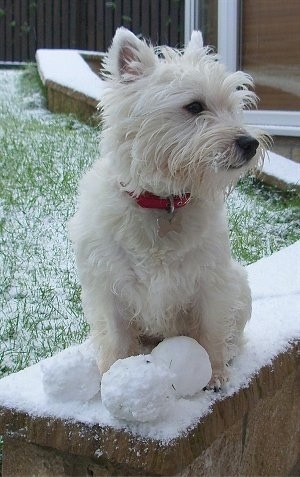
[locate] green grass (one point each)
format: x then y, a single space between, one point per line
42 157
262 220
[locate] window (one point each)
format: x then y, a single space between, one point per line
261 37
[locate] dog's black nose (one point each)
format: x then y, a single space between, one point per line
248 145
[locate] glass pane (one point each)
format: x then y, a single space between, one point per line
208 21
270 51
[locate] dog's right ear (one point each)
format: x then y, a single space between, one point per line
195 45
129 58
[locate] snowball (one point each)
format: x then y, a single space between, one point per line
136 389
187 361
72 375
142 388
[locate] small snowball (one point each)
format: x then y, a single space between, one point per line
71 376
187 361
136 389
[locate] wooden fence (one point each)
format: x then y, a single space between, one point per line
26 25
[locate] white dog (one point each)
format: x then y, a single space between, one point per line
150 235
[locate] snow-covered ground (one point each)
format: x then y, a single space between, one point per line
66 385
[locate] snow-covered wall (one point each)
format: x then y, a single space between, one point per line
251 428
71 85
67 68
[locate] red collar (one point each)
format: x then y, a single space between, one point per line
147 200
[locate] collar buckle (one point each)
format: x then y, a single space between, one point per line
171 206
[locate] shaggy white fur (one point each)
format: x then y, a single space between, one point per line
172 125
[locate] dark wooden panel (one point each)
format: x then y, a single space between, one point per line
81 25
40 24
26 25
2 30
146 20
32 31
23 31
117 14
9 32
155 21
136 17
176 23
109 22
15 29
100 21
57 24
127 14
73 11
64 22
165 22
91 25
50 28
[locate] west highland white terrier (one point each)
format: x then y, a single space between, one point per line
151 235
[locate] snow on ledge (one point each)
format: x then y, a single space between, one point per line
282 168
275 284
68 68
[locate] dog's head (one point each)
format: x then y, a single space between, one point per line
173 119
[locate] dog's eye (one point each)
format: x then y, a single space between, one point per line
195 108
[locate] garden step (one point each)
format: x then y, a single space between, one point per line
71 84
250 428
254 432
280 172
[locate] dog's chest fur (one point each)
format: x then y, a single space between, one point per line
160 279
157 277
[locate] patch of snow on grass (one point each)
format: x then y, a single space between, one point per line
42 158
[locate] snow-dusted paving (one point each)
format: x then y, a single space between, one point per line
65 385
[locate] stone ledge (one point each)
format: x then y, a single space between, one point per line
61 99
253 432
72 85
275 181
280 172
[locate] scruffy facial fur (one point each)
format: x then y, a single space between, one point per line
172 124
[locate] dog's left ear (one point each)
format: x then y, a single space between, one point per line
195 44
129 58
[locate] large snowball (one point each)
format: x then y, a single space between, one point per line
188 362
136 389
72 375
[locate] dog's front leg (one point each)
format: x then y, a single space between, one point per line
113 335
212 341
220 312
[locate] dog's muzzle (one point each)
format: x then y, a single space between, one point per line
247 146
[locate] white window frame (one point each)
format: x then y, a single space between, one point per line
280 123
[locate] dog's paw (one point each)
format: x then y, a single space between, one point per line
217 382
